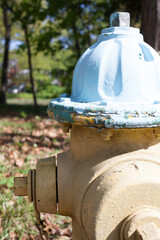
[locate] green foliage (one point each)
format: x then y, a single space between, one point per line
59 32
49 91
45 88
23 95
66 33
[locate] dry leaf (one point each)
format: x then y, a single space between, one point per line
19 162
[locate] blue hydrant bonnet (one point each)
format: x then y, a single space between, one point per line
116 82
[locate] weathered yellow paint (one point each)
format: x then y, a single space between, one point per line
50 114
103 181
100 183
81 120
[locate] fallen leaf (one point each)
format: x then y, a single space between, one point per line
12 235
65 232
7 174
25 147
37 133
14 154
19 162
10 203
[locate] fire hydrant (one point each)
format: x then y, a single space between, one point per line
108 182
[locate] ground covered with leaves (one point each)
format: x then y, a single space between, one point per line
23 140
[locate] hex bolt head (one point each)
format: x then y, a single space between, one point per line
148 231
120 19
65 127
142 225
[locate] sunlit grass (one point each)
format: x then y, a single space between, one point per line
19 153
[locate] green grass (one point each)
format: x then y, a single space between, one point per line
22 95
18 142
16 125
44 91
22 110
14 213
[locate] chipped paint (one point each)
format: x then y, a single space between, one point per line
109 116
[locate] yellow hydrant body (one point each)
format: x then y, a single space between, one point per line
103 180
108 182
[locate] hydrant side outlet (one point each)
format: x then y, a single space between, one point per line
46 192
45 185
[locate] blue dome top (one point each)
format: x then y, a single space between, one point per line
116 82
119 67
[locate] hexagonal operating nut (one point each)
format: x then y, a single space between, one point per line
20 186
120 19
23 186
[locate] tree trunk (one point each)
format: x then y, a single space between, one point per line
89 38
6 56
150 27
30 66
76 41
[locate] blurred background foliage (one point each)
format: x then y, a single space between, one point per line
41 40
